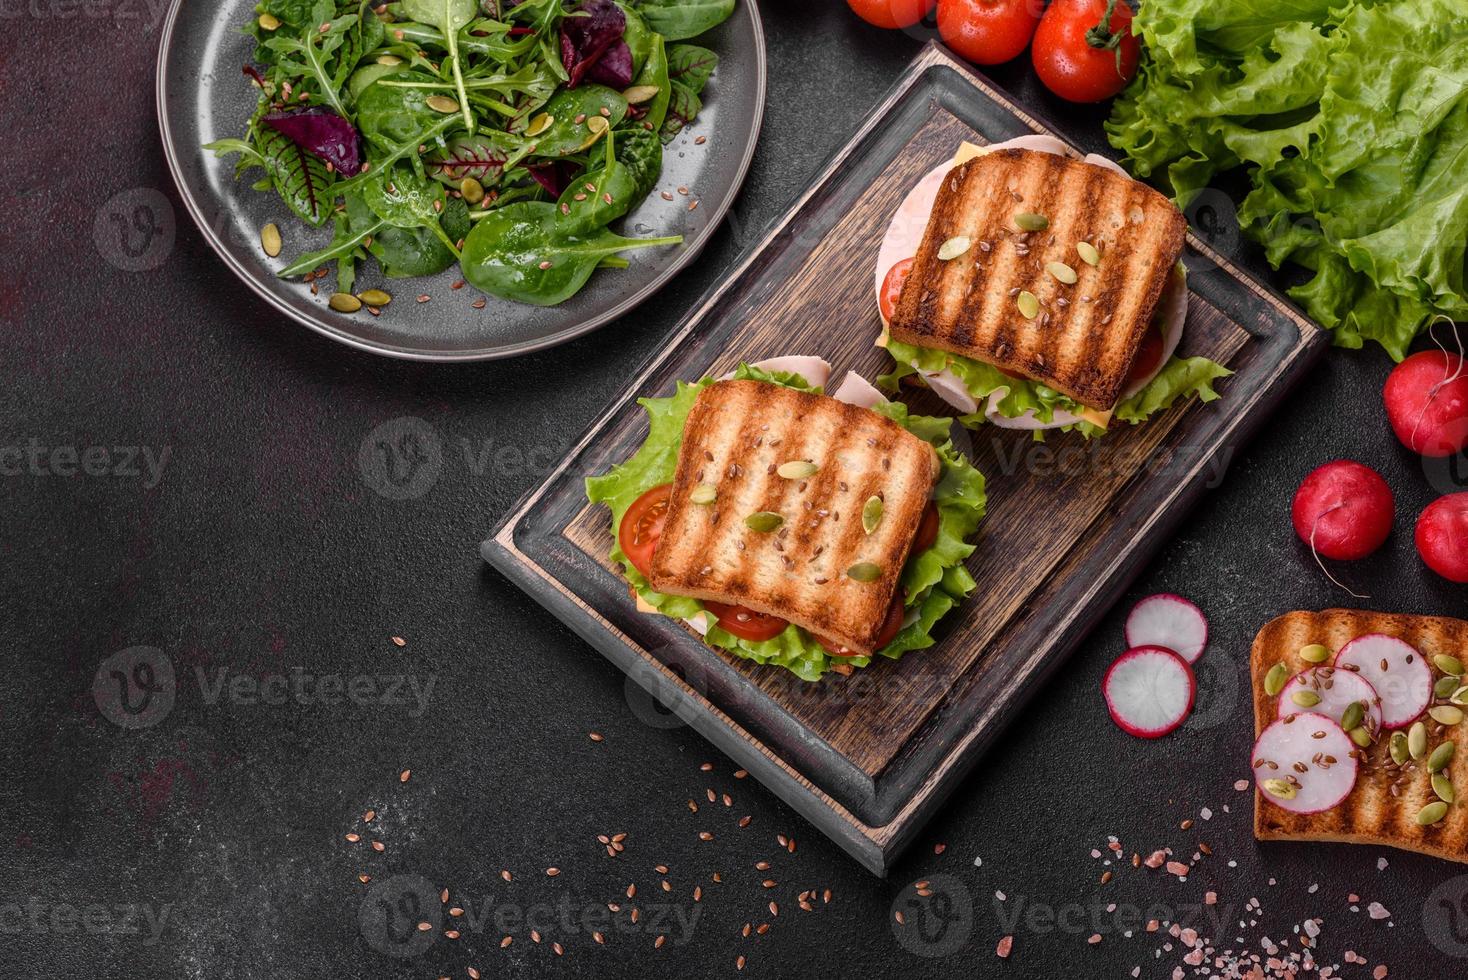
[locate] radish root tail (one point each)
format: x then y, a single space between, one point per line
1448 379
1315 524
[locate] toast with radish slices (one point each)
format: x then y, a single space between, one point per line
1383 790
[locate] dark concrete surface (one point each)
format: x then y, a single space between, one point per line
210 843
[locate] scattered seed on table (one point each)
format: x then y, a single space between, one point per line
552 872
599 938
658 943
353 838
424 926
739 963
505 875
379 846
744 821
740 773
403 778
364 878
774 908
596 736
506 941
400 641
701 141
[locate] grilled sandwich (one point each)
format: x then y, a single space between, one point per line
791 474
1045 266
793 528
1389 799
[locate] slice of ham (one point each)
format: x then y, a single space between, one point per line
856 390
815 370
949 387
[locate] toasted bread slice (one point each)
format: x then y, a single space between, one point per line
1383 806
738 435
1085 336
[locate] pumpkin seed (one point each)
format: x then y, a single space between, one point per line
1360 736
954 247
1315 653
1282 788
1441 756
375 297
797 469
1088 253
389 59
540 124
1460 696
598 124
269 22
1276 679
1354 714
1449 665
639 94
1062 272
1032 222
1305 699
1443 787
442 103
344 303
472 190
270 240
1029 304
1417 740
704 493
1431 813
764 521
865 571
1446 714
871 514
1397 746
1446 686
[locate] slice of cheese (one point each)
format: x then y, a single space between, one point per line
1097 417
966 152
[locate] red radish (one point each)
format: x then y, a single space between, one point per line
1168 621
1292 766
1398 672
1344 510
1442 537
1336 689
1149 691
1427 403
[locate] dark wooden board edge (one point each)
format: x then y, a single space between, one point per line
877 847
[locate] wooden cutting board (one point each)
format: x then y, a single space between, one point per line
869 757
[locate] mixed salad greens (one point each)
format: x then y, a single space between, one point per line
933 581
1351 119
505 135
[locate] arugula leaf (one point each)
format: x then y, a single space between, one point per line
678 20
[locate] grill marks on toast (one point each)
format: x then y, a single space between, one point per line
965 305
1372 813
737 435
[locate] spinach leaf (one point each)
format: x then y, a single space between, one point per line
291 13
299 178
405 253
570 110
655 72
405 200
641 152
691 66
598 197
682 110
522 253
363 78
678 20
390 116
638 37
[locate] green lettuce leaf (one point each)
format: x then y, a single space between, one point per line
934 581
1351 119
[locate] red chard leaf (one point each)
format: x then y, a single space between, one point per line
323 134
613 69
588 33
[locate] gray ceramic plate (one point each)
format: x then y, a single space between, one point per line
203 96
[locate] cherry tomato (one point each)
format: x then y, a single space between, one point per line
746 623
892 288
890 626
1149 355
988 32
927 530
642 525
1084 49
892 13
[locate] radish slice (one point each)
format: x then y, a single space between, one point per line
1305 763
856 390
949 387
1396 669
1149 691
1336 689
815 370
1168 621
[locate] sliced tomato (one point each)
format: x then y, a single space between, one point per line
927 531
892 288
642 526
890 626
746 623
1149 356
